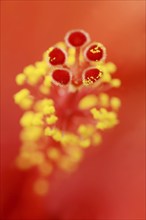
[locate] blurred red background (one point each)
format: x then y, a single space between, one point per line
110 183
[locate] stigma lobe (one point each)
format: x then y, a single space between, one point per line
56 57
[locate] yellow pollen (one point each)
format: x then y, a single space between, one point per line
20 79
104 99
95 50
85 143
26 119
44 89
115 103
116 83
88 102
51 120
61 45
18 97
23 99
48 110
47 81
105 119
41 104
31 133
86 130
111 67
37 120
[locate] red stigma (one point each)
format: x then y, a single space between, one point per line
94 53
92 75
77 38
56 57
61 76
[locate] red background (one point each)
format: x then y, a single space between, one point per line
110 182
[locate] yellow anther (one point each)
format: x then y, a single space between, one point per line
37 119
82 129
23 99
88 102
104 99
49 132
45 168
41 65
33 74
57 136
106 77
26 119
47 81
44 89
45 55
70 60
69 139
20 79
116 83
28 70
71 51
85 143
95 113
115 103
31 133
111 67
102 125
86 130
26 103
41 104
87 82
48 110
40 71
105 119
53 153
61 45
54 133
41 187
51 120
19 96
33 78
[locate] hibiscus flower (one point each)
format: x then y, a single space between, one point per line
109 183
